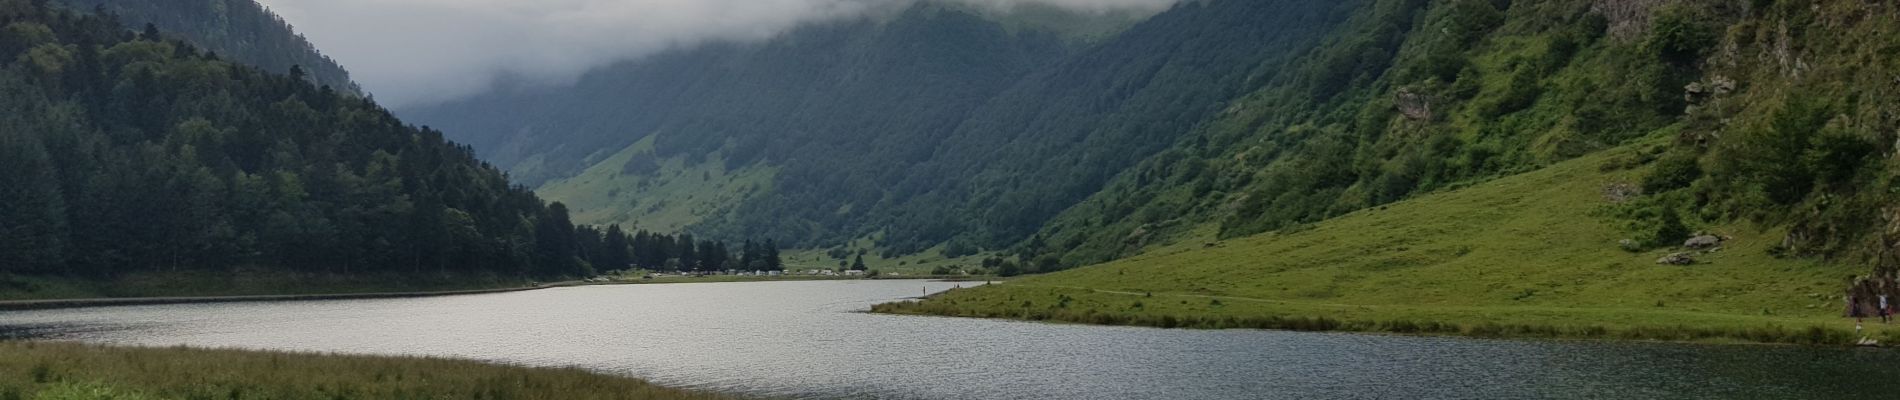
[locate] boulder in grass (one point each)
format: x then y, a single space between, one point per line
1677 259
1703 242
1630 245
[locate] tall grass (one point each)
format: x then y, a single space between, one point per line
49 370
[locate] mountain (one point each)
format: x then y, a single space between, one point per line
239 30
934 125
136 153
1240 117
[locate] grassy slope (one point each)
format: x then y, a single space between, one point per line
1528 255
680 195
676 196
74 371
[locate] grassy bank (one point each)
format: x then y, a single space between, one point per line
41 370
1533 255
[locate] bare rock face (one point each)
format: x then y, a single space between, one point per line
1677 259
1700 92
1703 242
1415 106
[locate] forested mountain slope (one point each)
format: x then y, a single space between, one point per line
130 153
239 30
1776 109
932 125
1619 129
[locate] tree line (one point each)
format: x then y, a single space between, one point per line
684 253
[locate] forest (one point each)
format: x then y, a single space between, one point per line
134 151
238 30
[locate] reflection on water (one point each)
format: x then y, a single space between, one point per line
811 340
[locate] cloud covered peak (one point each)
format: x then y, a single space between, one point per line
411 52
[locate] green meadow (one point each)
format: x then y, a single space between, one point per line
1531 255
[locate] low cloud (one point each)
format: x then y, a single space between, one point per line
410 52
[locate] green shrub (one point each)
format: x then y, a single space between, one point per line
1523 91
1008 269
1679 36
1676 170
1669 229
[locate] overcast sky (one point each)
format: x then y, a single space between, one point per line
408 52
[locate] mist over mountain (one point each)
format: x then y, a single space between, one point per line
415 52
919 129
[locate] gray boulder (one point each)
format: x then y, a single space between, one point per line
1677 259
1630 245
1703 242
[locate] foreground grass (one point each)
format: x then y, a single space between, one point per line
44 370
1532 255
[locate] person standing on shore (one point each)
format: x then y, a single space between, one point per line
1854 309
1886 312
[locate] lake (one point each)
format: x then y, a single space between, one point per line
812 340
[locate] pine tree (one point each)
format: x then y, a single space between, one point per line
749 256
772 260
689 259
614 250
555 244
33 226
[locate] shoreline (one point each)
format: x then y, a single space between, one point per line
53 304
961 304
58 304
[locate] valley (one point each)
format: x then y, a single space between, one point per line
949 199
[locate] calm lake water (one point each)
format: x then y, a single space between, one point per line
811 340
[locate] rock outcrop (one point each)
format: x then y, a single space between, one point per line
1415 106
